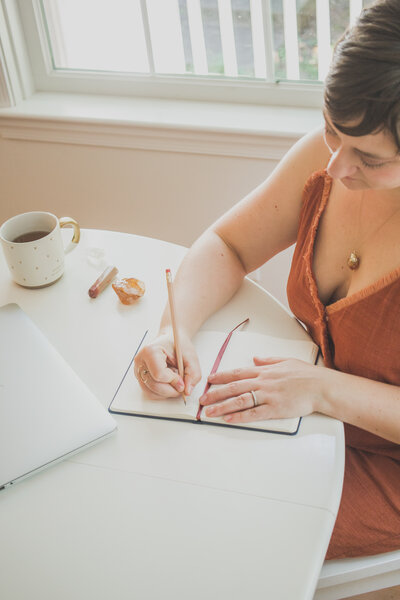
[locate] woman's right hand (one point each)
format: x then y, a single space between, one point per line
156 368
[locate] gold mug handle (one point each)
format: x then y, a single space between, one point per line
68 222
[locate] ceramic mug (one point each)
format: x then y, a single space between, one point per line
34 249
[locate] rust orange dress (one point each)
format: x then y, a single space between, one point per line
359 334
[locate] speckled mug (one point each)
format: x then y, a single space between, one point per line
39 262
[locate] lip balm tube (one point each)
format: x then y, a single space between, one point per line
103 281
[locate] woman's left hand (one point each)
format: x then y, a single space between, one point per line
281 388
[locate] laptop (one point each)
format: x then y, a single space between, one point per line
46 411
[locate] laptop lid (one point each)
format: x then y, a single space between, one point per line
46 411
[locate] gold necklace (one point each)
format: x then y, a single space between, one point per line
354 260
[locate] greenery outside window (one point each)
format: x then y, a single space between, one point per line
256 51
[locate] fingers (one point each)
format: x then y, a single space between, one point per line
234 375
259 413
192 374
236 404
240 395
243 373
156 370
275 388
242 409
154 375
151 385
270 360
233 390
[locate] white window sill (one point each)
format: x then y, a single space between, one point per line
254 131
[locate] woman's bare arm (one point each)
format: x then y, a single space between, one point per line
252 232
257 228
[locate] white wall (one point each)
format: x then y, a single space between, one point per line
167 195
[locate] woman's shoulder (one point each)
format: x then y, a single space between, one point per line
302 167
309 155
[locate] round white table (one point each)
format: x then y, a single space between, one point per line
163 509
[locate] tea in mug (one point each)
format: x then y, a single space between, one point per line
31 236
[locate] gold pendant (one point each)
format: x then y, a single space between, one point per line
353 261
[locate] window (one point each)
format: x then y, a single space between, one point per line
274 51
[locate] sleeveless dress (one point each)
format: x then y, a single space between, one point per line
360 335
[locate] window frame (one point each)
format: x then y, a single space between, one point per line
228 90
257 130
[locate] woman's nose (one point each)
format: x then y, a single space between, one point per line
341 165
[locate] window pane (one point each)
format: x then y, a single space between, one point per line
340 16
279 39
187 47
243 37
166 36
198 37
96 35
307 32
212 36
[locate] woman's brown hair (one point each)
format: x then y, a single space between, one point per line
363 82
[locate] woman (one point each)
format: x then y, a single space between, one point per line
337 195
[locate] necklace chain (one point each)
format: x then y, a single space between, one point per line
354 259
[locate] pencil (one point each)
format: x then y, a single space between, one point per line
177 345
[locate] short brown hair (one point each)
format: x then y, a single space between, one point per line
364 77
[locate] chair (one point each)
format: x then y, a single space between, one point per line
351 576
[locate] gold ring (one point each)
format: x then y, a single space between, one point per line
255 403
142 375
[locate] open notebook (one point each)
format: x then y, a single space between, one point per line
243 345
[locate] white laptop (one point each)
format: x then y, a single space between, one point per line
46 411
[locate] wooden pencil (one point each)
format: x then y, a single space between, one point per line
175 330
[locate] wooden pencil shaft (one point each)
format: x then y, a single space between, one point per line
172 310
175 330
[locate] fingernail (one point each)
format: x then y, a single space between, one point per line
210 411
180 386
189 389
202 398
211 376
228 418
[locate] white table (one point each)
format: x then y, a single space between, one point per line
163 509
